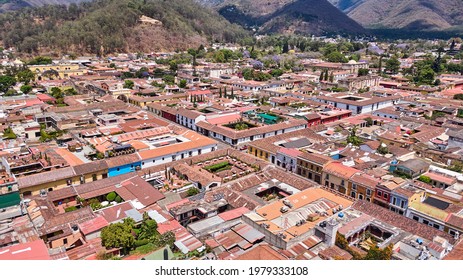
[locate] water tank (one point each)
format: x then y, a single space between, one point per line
341 215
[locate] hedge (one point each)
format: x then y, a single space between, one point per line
111 196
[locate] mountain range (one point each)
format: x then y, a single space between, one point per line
298 15
287 16
404 14
11 5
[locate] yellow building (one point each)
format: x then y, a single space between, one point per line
336 176
63 71
259 152
362 186
62 177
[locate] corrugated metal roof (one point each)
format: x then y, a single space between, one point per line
202 225
248 233
135 215
153 214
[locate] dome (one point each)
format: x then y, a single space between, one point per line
352 62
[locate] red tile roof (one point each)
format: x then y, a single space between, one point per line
93 225
340 170
35 250
233 214
261 252
171 225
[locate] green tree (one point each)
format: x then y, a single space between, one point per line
25 76
192 191
182 84
219 57
111 196
167 238
194 54
425 179
382 149
353 138
6 82
70 91
9 134
379 254
369 121
336 57
148 229
392 65
276 72
168 79
56 92
426 75
119 235
363 72
40 60
458 96
26 89
129 84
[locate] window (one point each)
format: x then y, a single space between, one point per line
416 218
385 195
426 222
327 177
394 200
402 204
154 160
94 177
50 189
65 241
118 169
361 196
368 192
342 182
354 186
332 185
353 194
380 193
436 226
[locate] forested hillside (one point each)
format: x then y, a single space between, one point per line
107 26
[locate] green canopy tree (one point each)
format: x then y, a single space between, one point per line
353 138
119 235
26 89
6 82
392 65
25 76
182 84
148 229
129 84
